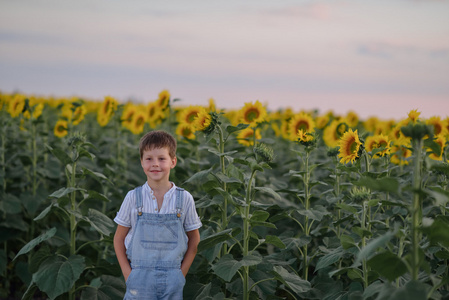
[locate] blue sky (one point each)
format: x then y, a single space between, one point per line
380 58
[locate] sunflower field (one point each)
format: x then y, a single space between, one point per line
294 205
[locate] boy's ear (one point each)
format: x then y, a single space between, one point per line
174 161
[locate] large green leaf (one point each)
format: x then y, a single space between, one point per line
102 223
438 231
413 290
33 243
57 274
65 191
104 288
214 239
61 155
226 267
270 191
275 241
10 204
373 245
199 177
330 258
317 213
291 280
385 184
388 265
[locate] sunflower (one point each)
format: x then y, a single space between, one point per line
154 114
246 136
212 106
333 132
60 129
301 121
438 125
371 123
413 116
138 122
78 114
106 110
35 109
322 121
128 114
441 141
352 119
396 133
378 141
189 114
349 146
163 100
16 105
202 120
186 130
401 151
252 114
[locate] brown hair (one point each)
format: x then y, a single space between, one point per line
158 139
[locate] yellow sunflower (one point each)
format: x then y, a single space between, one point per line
378 141
189 114
413 116
322 121
106 110
16 105
349 146
401 151
371 123
186 130
333 132
154 114
304 136
246 136
60 129
128 114
163 100
212 106
396 133
301 121
352 119
79 114
438 125
202 120
138 121
441 141
252 114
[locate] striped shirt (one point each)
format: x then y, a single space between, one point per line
127 215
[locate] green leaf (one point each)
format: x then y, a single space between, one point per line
441 196
260 215
44 213
232 129
385 184
413 290
97 175
102 223
214 239
10 204
347 241
269 191
291 280
330 258
388 265
373 245
57 274
61 155
275 241
98 196
110 288
199 177
317 213
250 260
226 267
347 208
33 243
65 191
438 231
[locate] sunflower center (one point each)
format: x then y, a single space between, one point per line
251 115
191 117
139 121
302 125
186 132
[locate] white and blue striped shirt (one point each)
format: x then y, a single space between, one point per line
127 215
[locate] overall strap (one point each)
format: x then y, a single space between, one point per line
179 202
138 195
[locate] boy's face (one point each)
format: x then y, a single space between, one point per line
157 163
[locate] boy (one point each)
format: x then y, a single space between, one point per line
157 233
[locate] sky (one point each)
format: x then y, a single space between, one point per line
378 58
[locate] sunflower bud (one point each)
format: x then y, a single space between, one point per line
360 193
417 131
263 153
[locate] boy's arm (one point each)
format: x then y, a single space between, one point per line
192 248
120 250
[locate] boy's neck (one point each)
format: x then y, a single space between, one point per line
160 187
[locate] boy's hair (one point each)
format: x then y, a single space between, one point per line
158 139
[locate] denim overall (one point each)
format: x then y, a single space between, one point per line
156 250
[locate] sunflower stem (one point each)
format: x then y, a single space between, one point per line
306 180
224 218
246 235
416 208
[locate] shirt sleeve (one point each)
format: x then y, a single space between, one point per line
123 217
191 221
